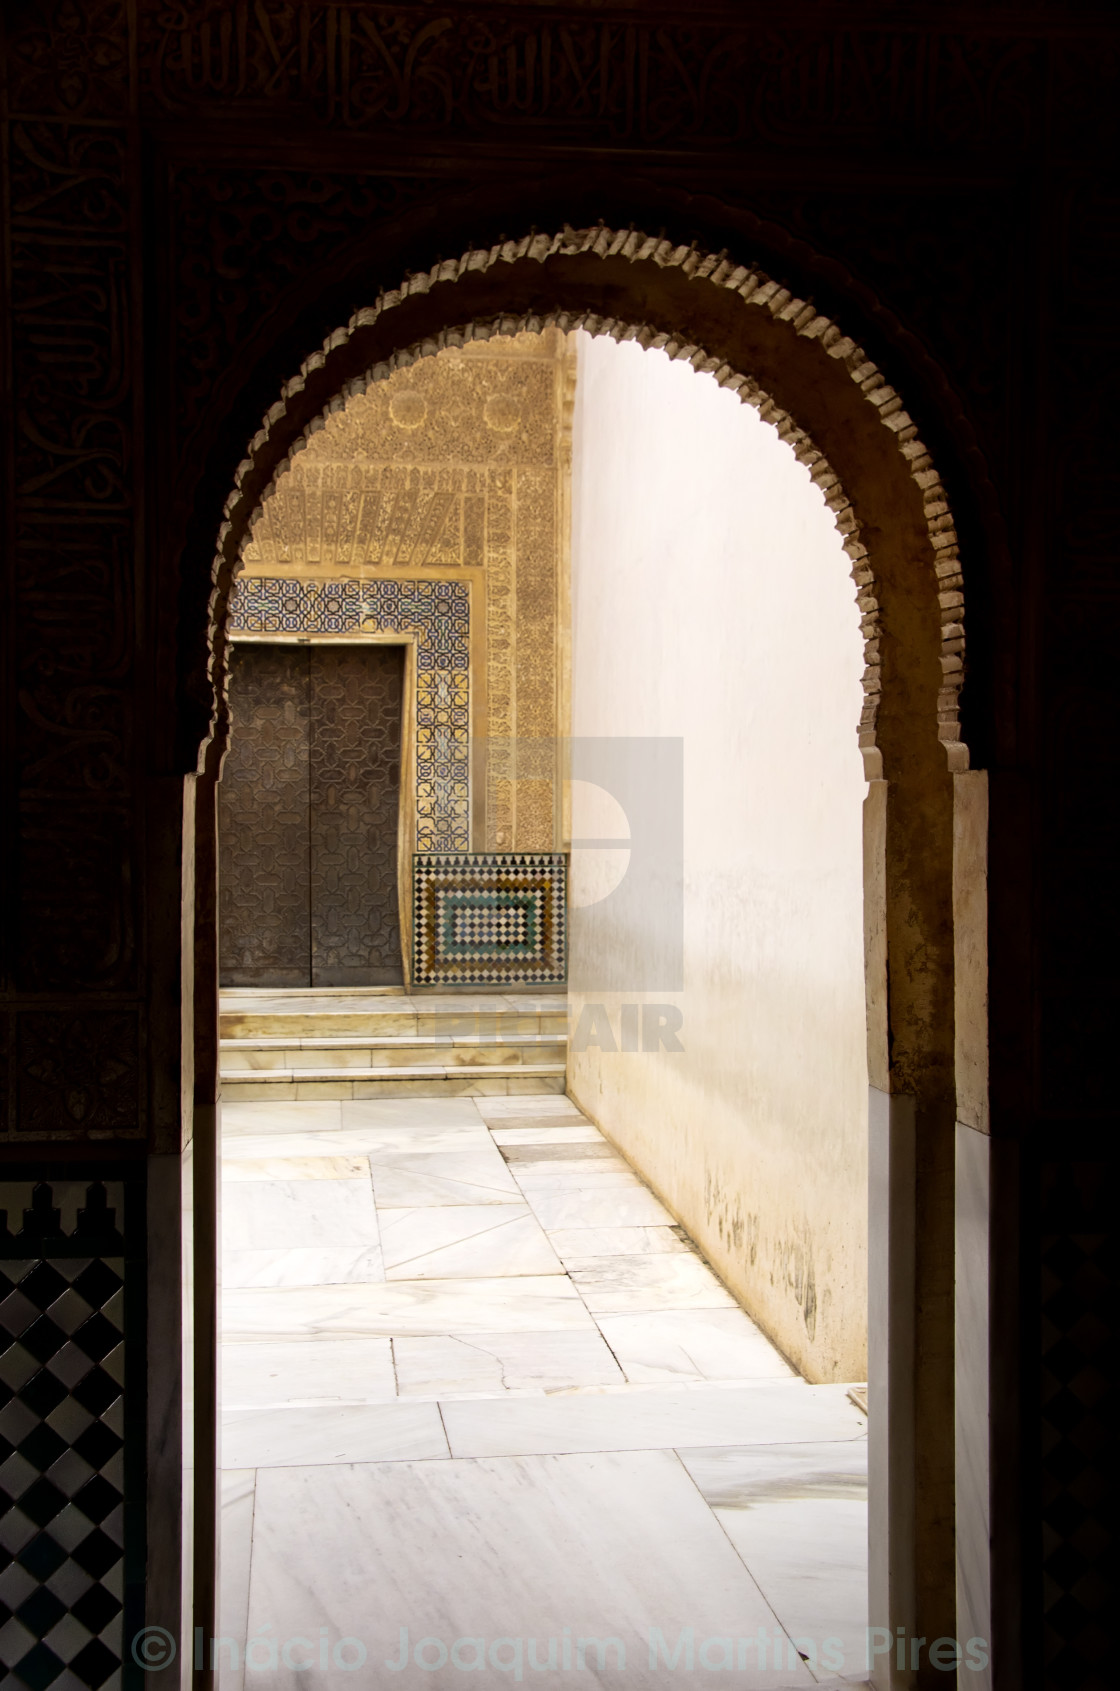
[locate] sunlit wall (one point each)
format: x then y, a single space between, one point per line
712 602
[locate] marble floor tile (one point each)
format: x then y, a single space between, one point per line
245 1165
509 1549
692 1344
583 1242
519 1304
302 1265
446 1241
466 1137
767 1413
797 1514
367 1432
281 1118
595 1158
592 1179
600 1205
410 1180
499 1362
619 1285
538 1124
238 1488
361 1142
276 1214
548 1133
522 1085
307 1372
409 1112
554 1105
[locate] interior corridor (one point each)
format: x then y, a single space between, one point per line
477 1385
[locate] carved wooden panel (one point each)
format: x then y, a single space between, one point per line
355 772
639 81
263 867
308 817
72 499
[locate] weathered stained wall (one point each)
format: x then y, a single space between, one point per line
712 601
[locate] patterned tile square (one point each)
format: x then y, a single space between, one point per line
489 918
63 1330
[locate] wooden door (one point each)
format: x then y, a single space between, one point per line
355 777
309 817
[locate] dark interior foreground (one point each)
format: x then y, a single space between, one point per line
197 203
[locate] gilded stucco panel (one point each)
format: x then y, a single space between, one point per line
453 469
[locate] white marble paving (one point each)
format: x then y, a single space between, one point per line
692 1344
520 1548
369 1432
302 1265
407 1179
570 1160
453 1240
305 1372
617 1285
590 1178
524 1303
582 1242
597 1204
458 1379
766 1413
262 1214
556 1105
446 1365
361 1142
238 1494
249 1166
380 1113
797 1514
549 1133
304 1117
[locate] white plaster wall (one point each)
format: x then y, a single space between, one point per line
711 600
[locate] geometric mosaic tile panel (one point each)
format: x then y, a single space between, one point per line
438 612
63 1594
489 919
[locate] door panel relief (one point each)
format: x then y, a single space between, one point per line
355 775
308 815
264 878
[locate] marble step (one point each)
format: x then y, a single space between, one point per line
389 1051
331 1043
398 1018
290 1085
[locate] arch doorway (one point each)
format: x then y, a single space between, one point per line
925 1048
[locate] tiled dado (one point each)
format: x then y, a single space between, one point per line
489 919
71 1462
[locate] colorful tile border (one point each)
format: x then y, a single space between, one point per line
489 919
439 613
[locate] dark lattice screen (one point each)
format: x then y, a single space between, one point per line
66 1356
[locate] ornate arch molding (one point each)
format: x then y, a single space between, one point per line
382 338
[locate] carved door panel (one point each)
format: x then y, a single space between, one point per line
308 817
263 830
355 770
